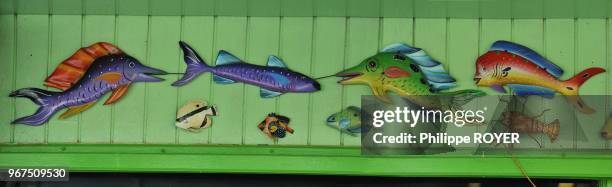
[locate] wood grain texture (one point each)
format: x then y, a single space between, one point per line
315 46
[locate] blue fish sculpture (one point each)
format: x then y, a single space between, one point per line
273 79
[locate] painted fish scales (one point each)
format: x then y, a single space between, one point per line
274 79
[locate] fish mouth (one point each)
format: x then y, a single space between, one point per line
347 76
477 80
146 75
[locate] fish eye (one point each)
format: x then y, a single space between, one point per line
132 64
372 65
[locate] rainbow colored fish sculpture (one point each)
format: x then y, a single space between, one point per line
274 79
84 78
526 72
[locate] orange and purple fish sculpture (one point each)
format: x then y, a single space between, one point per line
83 78
527 73
274 79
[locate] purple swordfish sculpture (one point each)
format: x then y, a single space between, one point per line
114 72
273 79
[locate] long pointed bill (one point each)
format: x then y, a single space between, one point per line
146 72
348 74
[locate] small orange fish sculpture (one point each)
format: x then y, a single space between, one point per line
275 126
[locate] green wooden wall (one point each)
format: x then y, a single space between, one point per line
32 45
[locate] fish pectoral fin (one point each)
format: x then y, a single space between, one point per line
396 72
110 77
274 61
117 94
221 80
76 109
264 93
380 93
498 88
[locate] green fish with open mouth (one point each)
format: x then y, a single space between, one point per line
410 73
348 121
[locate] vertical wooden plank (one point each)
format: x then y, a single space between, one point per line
327 59
129 113
591 46
262 41
198 32
559 45
65 40
230 35
462 50
165 32
7 78
491 30
529 32
397 30
296 52
608 112
96 122
32 51
362 42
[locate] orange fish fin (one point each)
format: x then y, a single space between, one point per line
395 72
110 77
117 94
72 69
76 109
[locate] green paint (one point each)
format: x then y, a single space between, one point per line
129 113
318 37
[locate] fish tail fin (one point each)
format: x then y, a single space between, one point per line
461 97
42 115
552 130
195 65
573 84
39 97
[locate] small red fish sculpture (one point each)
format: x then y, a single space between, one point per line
526 72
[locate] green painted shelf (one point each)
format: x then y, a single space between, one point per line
317 37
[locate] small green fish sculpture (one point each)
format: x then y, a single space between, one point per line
347 121
410 73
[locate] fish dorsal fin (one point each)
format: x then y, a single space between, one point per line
76 109
400 47
274 61
433 70
354 108
525 90
74 67
220 80
225 57
117 94
529 54
265 93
